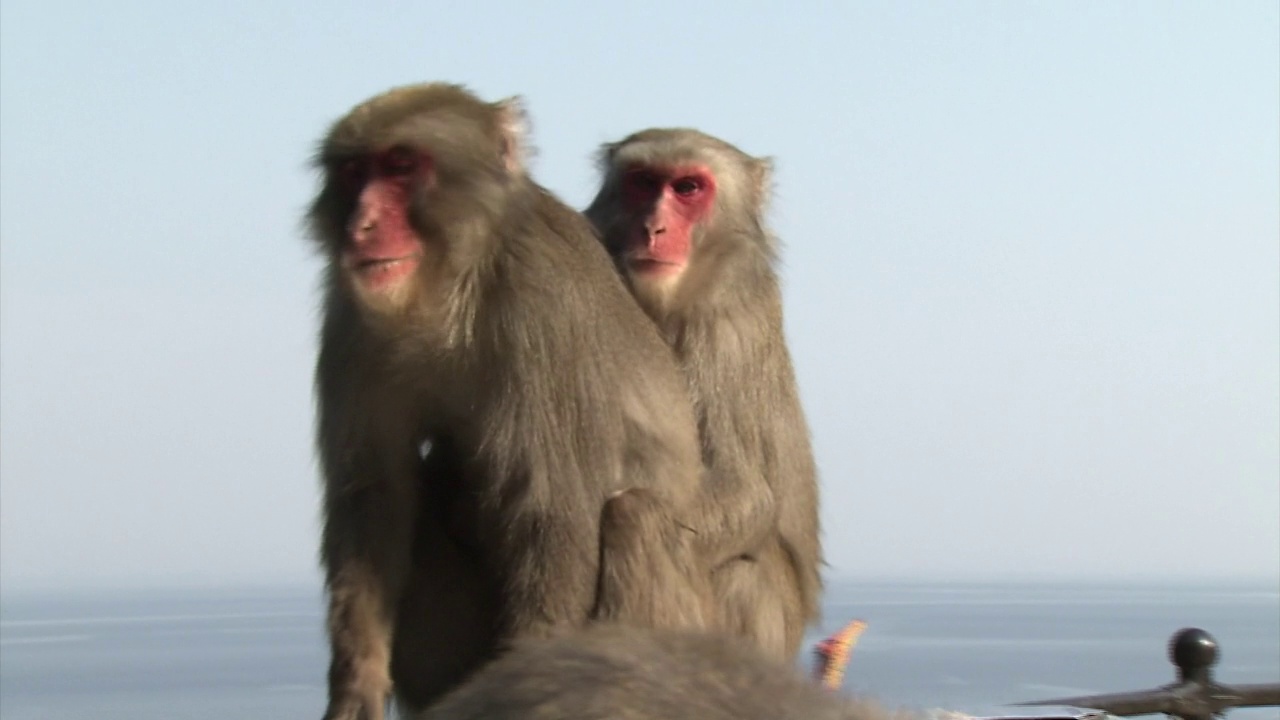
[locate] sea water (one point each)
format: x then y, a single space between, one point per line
261 653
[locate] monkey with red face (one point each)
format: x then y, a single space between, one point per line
683 216
467 307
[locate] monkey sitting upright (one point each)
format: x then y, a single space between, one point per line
683 215
467 307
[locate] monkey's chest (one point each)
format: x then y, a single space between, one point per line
464 520
452 494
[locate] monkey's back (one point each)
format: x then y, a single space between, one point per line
617 673
582 399
582 360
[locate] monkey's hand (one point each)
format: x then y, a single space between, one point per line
360 633
736 515
649 571
354 708
364 700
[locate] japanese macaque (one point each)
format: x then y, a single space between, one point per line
683 216
468 308
610 672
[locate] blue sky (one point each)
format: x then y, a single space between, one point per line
1032 263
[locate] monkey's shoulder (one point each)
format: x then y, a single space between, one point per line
552 263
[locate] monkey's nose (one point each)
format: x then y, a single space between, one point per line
361 227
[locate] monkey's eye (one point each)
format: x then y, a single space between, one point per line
351 173
641 182
399 161
687 186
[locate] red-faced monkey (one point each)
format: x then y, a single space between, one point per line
682 214
467 307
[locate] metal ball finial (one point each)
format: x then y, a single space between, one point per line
1194 651
1196 695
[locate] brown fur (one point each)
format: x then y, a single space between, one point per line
641 543
723 316
614 673
516 351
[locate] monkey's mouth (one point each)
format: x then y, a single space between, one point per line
384 273
651 267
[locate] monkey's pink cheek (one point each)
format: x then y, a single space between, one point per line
383 275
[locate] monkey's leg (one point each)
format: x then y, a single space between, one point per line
445 629
446 625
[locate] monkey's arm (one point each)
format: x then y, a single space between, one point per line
650 574
796 481
369 504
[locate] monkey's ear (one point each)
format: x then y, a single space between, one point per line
762 183
513 128
604 157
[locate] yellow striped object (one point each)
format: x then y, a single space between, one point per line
833 654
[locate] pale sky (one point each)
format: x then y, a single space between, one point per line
1032 263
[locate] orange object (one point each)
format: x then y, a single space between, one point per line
833 654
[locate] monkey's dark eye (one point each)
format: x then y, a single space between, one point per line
351 173
399 161
687 186
641 182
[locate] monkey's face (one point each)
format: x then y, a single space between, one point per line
414 180
364 219
381 251
662 208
